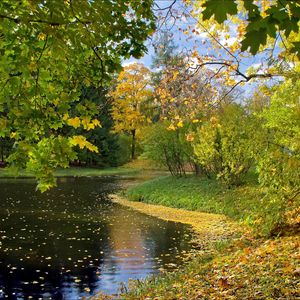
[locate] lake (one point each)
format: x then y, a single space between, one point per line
73 242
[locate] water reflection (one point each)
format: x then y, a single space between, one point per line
72 242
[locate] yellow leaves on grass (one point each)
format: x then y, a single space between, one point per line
81 141
42 36
172 127
190 137
180 124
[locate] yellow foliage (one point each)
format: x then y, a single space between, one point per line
130 95
171 127
81 141
180 124
74 122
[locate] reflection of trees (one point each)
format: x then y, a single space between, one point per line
46 234
166 238
136 237
126 240
70 222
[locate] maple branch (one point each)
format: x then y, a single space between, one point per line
101 62
211 35
52 23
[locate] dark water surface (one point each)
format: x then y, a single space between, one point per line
72 242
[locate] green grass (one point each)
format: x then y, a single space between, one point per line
74 172
242 203
243 268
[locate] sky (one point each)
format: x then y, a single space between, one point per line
198 42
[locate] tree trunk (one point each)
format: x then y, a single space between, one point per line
133 144
2 150
197 169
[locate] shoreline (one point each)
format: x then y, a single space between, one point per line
209 227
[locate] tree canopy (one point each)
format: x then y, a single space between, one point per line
48 49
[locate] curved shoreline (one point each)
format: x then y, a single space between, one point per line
208 226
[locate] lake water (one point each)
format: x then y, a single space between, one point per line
72 242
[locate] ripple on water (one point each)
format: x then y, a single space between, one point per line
73 242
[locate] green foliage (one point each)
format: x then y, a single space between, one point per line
48 49
279 160
224 147
281 16
219 9
6 145
101 136
49 154
124 151
167 148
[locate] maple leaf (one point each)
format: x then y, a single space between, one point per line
219 9
74 122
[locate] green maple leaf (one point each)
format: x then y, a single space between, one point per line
254 39
219 9
296 49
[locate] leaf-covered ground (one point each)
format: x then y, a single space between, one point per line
208 226
267 269
238 268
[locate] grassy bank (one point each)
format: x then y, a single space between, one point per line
209 227
74 172
244 268
243 203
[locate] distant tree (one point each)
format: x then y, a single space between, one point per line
131 100
6 145
47 50
101 136
167 148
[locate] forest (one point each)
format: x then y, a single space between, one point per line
201 96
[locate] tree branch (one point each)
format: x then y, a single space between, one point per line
52 23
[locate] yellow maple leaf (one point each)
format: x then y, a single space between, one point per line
180 124
96 123
79 140
171 127
74 122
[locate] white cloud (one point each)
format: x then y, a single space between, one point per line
128 63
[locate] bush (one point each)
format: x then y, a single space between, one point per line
167 148
223 145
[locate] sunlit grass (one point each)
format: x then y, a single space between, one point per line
241 203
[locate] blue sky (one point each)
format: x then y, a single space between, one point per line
191 42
